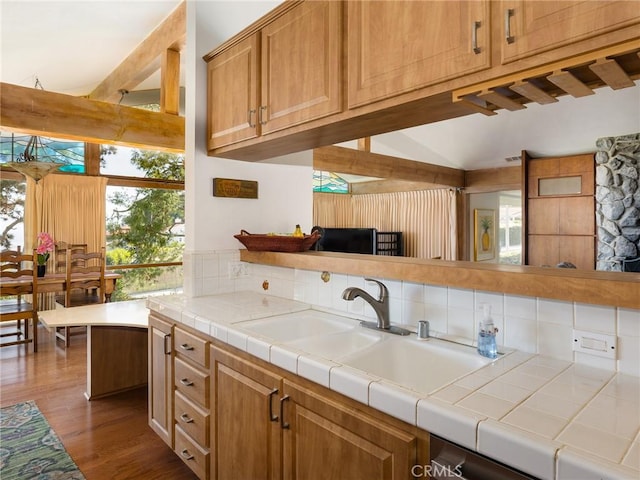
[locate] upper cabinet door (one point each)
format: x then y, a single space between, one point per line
532 27
301 65
398 46
233 94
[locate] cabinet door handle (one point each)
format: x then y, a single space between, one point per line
261 119
507 25
250 114
474 37
186 455
186 346
272 417
167 349
186 382
283 424
186 418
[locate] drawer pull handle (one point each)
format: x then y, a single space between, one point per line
283 424
186 418
272 417
507 25
250 114
186 382
186 455
474 37
186 346
167 344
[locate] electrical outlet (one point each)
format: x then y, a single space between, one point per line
593 343
238 269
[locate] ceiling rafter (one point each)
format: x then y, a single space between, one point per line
146 58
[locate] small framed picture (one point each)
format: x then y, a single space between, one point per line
484 239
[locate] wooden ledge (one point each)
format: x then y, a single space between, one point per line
599 288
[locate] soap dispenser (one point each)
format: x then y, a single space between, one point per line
487 334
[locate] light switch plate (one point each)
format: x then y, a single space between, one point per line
594 343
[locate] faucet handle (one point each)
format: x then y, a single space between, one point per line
384 292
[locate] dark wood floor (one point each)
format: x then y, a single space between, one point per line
107 438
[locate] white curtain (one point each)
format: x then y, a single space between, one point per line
427 218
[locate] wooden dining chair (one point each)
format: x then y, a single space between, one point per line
19 277
84 273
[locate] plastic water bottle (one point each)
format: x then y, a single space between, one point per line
487 334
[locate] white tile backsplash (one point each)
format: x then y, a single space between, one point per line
534 325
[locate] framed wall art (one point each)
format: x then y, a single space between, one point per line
484 234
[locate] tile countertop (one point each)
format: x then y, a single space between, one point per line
546 417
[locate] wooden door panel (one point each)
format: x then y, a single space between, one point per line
543 250
241 419
540 26
233 94
396 47
576 216
329 440
579 250
160 380
301 65
543 216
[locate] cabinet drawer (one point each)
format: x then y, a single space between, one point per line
192 419
196 457
191 347
191 382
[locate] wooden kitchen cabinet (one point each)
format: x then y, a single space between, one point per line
192 400
325 439
246 434
396 47
161 378
232 98
533 27
266 426
288 73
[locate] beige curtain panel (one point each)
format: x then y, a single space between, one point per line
71 208
427 218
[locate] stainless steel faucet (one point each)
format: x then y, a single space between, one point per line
380 306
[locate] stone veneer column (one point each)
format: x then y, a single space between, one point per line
617 200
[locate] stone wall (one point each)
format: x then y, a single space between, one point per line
617 201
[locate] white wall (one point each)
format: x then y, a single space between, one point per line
284 191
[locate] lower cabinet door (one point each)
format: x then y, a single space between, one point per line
196 457
246 430
327 440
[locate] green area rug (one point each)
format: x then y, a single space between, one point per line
29 448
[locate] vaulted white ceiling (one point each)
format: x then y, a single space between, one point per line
73 45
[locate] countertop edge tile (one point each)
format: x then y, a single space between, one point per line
572 465
453 423
396 401
523 450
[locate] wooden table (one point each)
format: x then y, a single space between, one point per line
117 358
56 282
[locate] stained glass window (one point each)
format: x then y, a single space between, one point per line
329 182
61 151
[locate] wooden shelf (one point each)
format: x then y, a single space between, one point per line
599 288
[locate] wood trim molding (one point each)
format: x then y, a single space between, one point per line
599 288
146 57
347 160
38 112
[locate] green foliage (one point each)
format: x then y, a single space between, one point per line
11 209
145 226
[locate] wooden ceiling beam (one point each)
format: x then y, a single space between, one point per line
347 160
170 82
38 112
145 58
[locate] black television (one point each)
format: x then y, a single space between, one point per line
348 240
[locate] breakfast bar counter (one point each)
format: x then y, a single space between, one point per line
116 343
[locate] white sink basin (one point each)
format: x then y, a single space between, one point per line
294 326
337 345
423 366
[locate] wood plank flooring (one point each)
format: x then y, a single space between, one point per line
107 438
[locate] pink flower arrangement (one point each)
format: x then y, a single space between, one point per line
45 247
